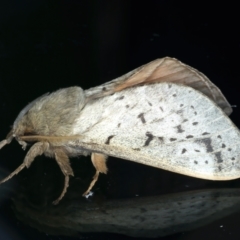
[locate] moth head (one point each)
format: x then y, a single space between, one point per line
21 126
49 115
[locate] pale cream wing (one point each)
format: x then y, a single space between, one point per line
163 70
168 126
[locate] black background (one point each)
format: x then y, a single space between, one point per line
47 45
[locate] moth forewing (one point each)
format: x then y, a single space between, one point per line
155 115
169 126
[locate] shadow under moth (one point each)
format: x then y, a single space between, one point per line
163 114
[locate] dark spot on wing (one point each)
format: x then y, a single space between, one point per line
161 109
184 150
179 111
179 129
158 120
185 120
206 162
136 149
150 104
173 139
161 139
109 139
195 113
229 149
233 158
196 150
141 116
195 123
149 139
181 105
104 89
218 156
169 86
174 95
119 125
127 106
189 136
223 145
205 133
207 142
219 136
196 162
192 107
120 98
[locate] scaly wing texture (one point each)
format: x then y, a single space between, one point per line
163 70
168 126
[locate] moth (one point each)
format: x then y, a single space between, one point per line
163 114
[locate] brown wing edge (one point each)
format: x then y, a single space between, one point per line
163 70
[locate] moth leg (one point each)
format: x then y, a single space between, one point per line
15 172
3 143
95 178
99 162
64 164
34 151
23 144
8 140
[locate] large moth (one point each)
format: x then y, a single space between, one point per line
164 114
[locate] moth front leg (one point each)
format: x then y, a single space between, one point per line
36 150
64 164
8 139
99 162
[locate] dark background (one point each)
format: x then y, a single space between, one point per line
47 45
